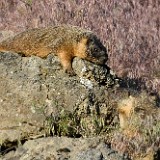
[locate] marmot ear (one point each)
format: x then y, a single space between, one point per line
91 39
84 41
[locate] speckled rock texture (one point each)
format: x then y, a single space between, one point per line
33 89
63 148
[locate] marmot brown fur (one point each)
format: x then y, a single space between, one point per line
64 41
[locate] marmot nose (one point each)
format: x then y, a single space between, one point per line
104 59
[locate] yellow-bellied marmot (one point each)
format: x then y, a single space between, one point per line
64 41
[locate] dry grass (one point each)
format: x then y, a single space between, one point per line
139 135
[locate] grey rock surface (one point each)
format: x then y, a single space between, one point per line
63 148
31 89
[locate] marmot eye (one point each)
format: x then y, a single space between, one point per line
95 49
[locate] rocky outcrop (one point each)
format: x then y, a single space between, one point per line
64 148
46 114
38 99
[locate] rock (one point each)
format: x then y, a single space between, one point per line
38 100
64 148
35 90
91 73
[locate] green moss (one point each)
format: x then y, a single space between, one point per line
29 2
73 124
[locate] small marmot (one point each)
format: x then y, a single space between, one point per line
125 110
65 41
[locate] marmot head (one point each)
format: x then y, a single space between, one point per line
95 50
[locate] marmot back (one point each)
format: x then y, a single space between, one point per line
64 41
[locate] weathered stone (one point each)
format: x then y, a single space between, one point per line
64 148
33 89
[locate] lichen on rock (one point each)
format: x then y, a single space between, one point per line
36 91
